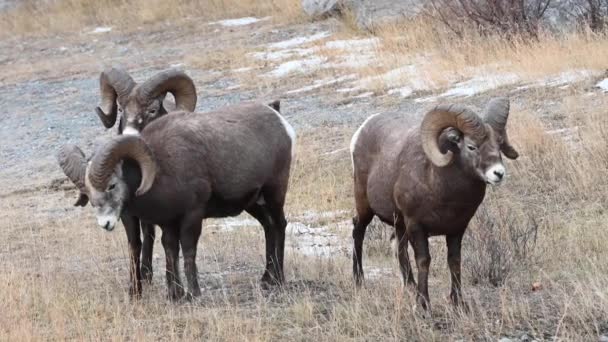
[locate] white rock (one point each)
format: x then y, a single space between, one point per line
317 8
603 84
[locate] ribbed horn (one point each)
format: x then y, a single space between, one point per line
117 149
442 117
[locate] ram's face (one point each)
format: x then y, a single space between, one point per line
137 115
109 202
483 159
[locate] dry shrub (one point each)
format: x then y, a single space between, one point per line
31 16
497 242
507 18
550 178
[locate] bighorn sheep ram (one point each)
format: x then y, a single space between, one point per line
138 106
427 181
185 167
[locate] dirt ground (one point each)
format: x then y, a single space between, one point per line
62 277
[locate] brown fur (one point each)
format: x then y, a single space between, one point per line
213 164
395 180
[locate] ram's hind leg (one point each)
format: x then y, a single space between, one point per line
262 215
402 255
360 222
274 198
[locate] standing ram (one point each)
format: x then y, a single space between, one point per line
426 181
186 167
138 105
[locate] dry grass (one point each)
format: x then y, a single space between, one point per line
69 15
443 58
54 286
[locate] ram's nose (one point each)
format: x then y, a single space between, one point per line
107 223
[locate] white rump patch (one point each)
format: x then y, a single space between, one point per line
130 131
353 140
289 129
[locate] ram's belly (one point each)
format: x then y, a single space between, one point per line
224 207
442 219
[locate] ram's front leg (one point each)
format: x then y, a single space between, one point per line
131 224
454 244
170 240
146 255
420 242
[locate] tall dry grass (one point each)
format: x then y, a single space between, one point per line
53 16
444 58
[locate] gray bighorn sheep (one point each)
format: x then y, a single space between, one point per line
140 104
185 167
427 180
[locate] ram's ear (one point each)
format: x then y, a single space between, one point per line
82 201
453 135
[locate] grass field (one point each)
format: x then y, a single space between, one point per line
535 265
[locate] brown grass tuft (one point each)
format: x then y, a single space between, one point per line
44 17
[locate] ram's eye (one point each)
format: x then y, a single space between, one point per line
471 147
151 111
111 187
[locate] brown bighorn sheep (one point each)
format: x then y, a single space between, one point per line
138 106
185 167
427 181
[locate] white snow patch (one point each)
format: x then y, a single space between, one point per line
233 223
238 22
567 77
242 69
101 29
176 65
349 90
403 91
353 44
322 83
315 241
570 76
301 65
409 75
281 54
603 84
298 41
311 215
481 84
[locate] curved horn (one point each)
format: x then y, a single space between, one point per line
496 114
113 83
173 81
74 164
117 149
442 117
